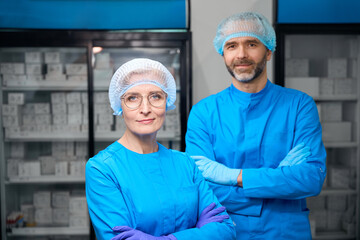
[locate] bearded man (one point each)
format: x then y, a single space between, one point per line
259 145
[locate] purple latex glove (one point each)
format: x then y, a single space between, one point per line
208 215
133 234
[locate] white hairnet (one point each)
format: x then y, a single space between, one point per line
137 72
246 24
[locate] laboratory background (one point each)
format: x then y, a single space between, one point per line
56 62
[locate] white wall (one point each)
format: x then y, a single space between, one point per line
209 72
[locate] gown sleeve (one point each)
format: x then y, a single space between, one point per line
101 193
198 143
210 231
298 181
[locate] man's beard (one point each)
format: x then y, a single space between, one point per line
245 76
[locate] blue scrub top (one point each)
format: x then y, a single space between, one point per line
254 132
159 193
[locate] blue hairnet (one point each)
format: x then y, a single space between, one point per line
246 24
137 72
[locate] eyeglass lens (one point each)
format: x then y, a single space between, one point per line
134 100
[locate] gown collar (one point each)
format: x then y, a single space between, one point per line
245 97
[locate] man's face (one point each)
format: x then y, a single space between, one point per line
245 58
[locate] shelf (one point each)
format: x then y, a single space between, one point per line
47 231
46 137
332 235
352 97
335 191
46 179
28 85
113 136
340 144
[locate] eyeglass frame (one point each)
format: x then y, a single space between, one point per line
142 98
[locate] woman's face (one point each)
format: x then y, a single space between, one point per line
145 119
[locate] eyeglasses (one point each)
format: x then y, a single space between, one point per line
134 100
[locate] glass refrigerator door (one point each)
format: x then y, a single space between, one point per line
45 143
327 68
109 128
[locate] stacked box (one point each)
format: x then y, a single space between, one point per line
339 177
101 97
52 57
331 111
334 220
29 169
60 216
55 69
337 67
43 216
43 119
59 108
60 199
327 86
74 119
309 85
76 69
81 149
16 98
336 202
34 69
42 108
321 219
344 86
58 97
33 57
11 110
61 168
17 150
297 67
77 168
78 212
10 79
59 119
336 131
47 164
12 168
11 121
12 68
73 97
42 199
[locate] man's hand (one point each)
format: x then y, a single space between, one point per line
296 155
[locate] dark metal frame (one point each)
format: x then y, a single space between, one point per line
88 39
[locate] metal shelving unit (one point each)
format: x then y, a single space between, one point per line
323 60
42 158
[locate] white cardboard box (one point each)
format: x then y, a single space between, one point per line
43 216
331 111
60 199
42 199
336 131
309 85
16 98
33 57
297 67
337 67
61 216
52 57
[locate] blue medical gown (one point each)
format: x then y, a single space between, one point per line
254 132
159 193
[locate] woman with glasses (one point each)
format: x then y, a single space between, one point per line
138 189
